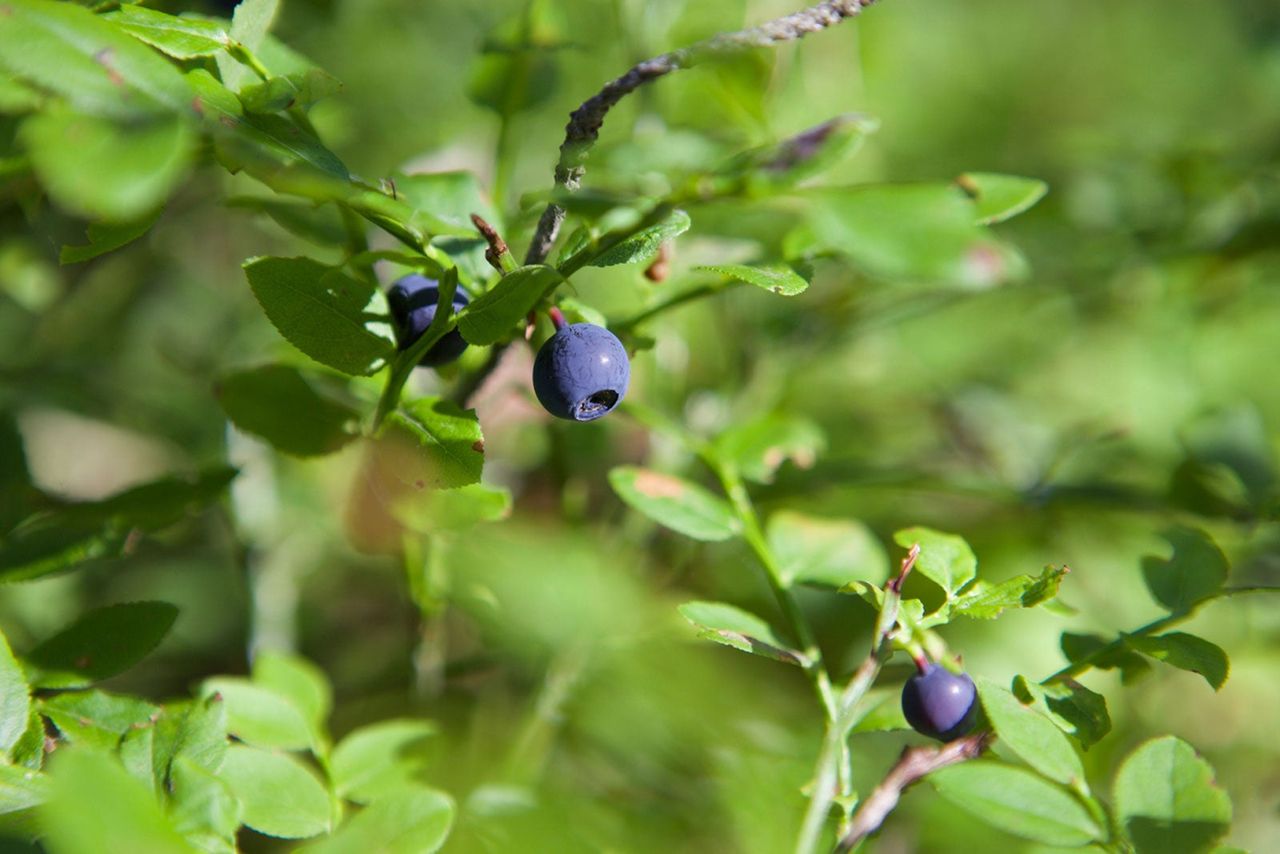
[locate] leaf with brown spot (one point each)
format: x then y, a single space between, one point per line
675 503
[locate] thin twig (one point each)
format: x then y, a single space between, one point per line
837 734
915 764
585 122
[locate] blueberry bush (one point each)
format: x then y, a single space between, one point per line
375 478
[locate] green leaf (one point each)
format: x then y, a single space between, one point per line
298 680
281 796
742 630
15 699
16 488
203 808
1075 709
985 602
1077 647
945 559
1196 571
21 788
16 97
1032 736
1186 652
277 403
107 237
289 91
100 169
411 820
99 70
179 37
96 718
258 715
644 244
102 643
1018 802
380 758
676 503
908 231
320 311
804 155
1167 800
95 806
441 444
493 314
28 752
997 198
249 26
883 712
827 552
452 509
200 734
759 446
193 731
56 541
136 753
775 278
321 225
445 201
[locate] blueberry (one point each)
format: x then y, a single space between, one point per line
582 372
939 703
412 300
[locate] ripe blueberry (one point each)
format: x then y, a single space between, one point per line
582 372
412 300
939 703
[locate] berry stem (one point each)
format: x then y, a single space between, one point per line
557 318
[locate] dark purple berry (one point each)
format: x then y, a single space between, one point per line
412 300
939 703
581 373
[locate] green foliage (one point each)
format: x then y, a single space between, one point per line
1032 736
320 311
102 643
676 503
825 552
276 403
15 699
734 627
378 759
1056 387
1167 800
1018 802
493 314
945 559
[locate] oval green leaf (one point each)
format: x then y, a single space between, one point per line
102 643
281 796
1018 802
1167 800
278 404
321 311
493 314
676 503
1032 736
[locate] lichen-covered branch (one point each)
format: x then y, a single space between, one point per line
915 764
585 122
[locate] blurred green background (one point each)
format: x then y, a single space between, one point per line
1126 384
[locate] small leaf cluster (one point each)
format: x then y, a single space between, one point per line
85 768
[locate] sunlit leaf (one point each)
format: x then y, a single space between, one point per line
1167 800
676 503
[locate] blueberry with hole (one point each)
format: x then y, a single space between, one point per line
413 300
939 703
582 372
